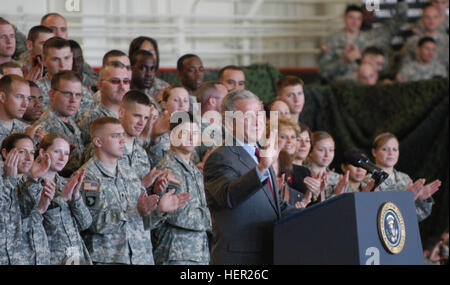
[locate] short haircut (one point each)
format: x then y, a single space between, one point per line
353 8
350 153
7 81
181 60
135 45
382 139
135 96
203 93
67 75
180 120
3 21
373 50
57 43
112 53
425 40
114 64
10 64
50 14
229 67
34 32
228 102
133 58
99 123
9 142
289 80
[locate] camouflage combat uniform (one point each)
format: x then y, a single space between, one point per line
118 233
84 121
442 51
86 104
52 123
183 235
331 65
17 127
398 181
23 240
63 222
414 71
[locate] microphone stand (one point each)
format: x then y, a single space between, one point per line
379 177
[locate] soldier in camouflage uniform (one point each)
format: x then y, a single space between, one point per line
175 98
23 240
210 96
57 57
67 215
319 158
13 105
113 84
121 209
65 101
143 66
431 29
425 66
190 72
343 49
385 150
442 7
183 237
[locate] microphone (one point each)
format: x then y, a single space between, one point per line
358 160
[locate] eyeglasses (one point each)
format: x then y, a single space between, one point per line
116 81
69 94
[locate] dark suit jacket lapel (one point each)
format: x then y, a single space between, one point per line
248 161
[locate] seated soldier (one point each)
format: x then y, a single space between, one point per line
426 66
343 49
112 55
190 72
113 84
65 98
122 211
57 56
150 45
430 20
14 97
35 106
24 239
32 60
232 77
58 25
442 7
367 74
7 41
143 66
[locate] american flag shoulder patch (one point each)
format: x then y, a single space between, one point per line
90 186
173 178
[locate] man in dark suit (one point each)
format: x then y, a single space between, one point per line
241 189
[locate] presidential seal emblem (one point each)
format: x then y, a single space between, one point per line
391 228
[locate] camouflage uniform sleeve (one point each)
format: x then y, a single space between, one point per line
423 208
331 63
81 213
28 192
155 151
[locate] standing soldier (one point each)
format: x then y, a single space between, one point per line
57 57
121 209
65 97
183 237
